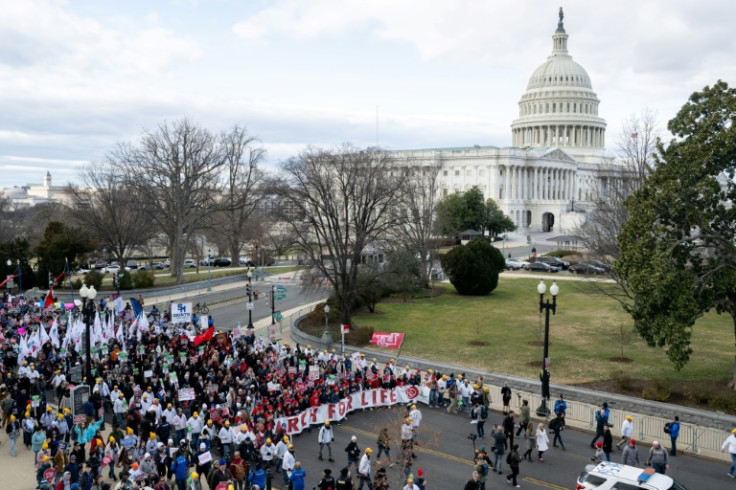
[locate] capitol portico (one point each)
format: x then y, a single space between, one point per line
557 166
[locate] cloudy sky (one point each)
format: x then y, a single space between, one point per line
77 76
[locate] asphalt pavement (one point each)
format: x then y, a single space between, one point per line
445 454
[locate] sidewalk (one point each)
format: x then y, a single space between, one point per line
18 473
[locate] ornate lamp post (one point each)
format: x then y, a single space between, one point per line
88 295
543 410
209 270
326 337
250 301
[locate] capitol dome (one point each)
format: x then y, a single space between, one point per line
559 107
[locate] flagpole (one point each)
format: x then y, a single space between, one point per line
69 271
399 353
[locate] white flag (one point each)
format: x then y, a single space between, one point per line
22 350
54 334
43 336
143 322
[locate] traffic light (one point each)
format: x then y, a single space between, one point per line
247 289
255 294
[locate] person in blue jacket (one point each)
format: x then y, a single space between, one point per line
674 433
179 467
258 477
297 477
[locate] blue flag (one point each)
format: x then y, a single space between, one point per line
137 307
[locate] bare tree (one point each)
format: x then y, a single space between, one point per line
240 189
110 210
175 168
635 153
418 204
343 201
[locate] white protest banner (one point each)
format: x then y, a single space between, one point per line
356 401
181 312
313 372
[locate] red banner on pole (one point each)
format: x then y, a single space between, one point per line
388 340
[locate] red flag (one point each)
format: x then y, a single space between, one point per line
204 337
57 279
388 340
49 300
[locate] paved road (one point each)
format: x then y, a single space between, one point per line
231 307
445 454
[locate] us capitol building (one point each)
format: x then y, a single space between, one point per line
557 166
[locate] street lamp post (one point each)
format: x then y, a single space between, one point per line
10 265
543 410
209 270
250 302
273 305
326 337
88 295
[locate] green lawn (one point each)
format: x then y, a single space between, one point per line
584 334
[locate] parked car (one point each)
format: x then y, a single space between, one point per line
603 265
542 267
205 262
131 264
562 264
585 268
111 268
82 269
516 264
159 265
99 265
146 267
245 262
609 476
189 264
222 262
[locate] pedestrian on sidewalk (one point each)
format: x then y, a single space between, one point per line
506 397
531 441
542 442
525 417
658 458
499 447
384 446
513 460
557 425
674 434
326 437
730 444
630 455
607 442
13 430
627 430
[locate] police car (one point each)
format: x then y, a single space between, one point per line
610 476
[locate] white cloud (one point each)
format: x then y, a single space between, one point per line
75 78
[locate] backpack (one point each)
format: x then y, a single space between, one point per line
668 427
485 469
508 458
483 412
238 471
